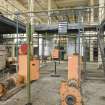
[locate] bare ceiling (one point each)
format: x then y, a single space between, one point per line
57 4
42 4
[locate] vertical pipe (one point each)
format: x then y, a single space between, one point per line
49 11
43 46
89 46
44 49
59 50
84 55
38 45
28 64
75 44
55 67
79 29
29 38
31 9
17 32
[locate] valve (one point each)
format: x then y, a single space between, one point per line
70 100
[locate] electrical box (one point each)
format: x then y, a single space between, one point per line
55 53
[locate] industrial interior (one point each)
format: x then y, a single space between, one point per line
52 52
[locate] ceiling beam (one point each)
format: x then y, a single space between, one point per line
37 18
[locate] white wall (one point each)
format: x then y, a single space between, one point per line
70 46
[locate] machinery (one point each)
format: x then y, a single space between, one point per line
70 89
55 54
20 79
22 61
7 85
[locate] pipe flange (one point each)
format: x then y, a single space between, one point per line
70 100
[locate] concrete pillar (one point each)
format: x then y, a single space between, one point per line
91 50
13 51
92 11
101 10
81 47
32 15
99 57
88 16
32 20
43 45
70 46
47 48
78 44
40 46
49 13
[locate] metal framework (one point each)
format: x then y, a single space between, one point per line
79 27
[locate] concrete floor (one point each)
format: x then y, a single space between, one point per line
46 90
94 92
94 87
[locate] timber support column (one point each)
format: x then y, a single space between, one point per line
92 11
49 11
